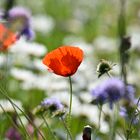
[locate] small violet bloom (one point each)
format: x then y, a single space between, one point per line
112 90
129 114
123 112
21 19
13 134
52 103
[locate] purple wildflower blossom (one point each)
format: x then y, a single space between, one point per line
13 134
52 104
18 12
28 32
123 112
129 114
112 90
21 15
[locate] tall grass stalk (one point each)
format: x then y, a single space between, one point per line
4 93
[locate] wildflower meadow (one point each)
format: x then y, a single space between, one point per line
69 69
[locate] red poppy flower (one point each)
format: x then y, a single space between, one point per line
7 37
64 60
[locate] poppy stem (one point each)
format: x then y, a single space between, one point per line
70 97
70 106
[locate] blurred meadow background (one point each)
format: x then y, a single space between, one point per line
99 28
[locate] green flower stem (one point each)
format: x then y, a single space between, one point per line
6 72
8 98
109 75
49 129
25 131
100 113
70 98
128 131
113 122
70 107
99 121
122 33
67 129
13 123
20 121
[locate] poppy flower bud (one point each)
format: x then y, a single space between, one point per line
87 133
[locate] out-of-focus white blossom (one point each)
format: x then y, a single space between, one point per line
85 96
73 25
7 106
76 41
43 23
135 40
28 48
105 44
23 75
134 33
2 59
39 65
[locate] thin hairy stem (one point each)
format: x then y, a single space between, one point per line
100 113
67 129
49 129
70 98
7 97
13 123
70 107
24 129
128 131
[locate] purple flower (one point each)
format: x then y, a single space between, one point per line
13 134
28 32
52 103
112 90
19 12
129 113
123 112
20 17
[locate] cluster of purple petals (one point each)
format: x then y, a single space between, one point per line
125 113
52 102
16 12
112 90
13 134
21 12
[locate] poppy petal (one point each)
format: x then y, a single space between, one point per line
7 37
64 60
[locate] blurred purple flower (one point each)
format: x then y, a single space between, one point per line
28 32
130 92
18 12
112 90
52 103
129 114
21 17
123 112
13 134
